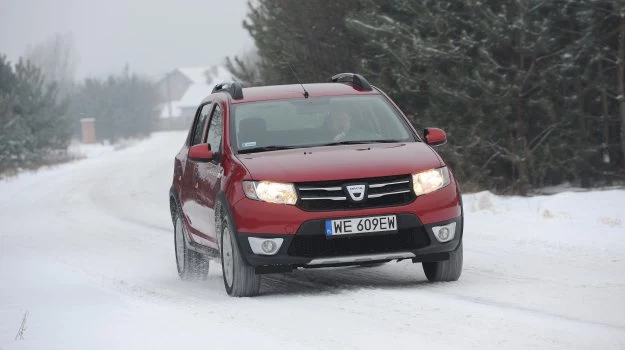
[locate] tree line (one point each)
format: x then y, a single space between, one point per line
531 93
41 105
123 105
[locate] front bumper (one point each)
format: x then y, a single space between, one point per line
309 247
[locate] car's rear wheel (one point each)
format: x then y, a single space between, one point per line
445 271
190 264
240 279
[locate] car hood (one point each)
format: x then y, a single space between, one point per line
340 162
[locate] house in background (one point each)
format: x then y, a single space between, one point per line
181 91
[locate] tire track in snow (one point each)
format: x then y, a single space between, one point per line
391 305
343 280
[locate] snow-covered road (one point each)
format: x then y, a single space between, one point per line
86 253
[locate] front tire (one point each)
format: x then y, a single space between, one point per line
445 271
191 265
240 279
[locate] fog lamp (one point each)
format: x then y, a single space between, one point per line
265 246
268 246
445 233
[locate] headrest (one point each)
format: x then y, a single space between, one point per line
250 125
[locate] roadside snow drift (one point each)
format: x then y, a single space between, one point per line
86 262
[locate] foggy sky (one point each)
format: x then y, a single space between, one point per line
152 36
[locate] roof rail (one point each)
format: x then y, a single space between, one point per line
352 78
233 88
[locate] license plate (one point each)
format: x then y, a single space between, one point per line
386 223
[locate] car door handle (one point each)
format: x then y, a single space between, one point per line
196 185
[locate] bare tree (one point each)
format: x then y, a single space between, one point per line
57 58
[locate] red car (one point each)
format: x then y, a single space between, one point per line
276 178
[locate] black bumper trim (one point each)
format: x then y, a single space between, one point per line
285 261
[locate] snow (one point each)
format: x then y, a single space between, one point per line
368 26
207 75
82 150
195 74
218 75
86 249
194 95
203 81
175 110
192 98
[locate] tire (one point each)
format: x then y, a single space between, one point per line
191 265
240 279
445 271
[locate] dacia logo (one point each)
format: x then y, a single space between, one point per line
356 192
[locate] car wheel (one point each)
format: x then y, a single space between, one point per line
240 279
190 264
448 270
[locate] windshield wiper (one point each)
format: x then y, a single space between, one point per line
266 148
360 142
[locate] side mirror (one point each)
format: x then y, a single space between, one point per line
201 152
435 136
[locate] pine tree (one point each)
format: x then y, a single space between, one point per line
310 36
33 125
45 117
530 92
123 105
499 77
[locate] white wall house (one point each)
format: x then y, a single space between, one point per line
181 92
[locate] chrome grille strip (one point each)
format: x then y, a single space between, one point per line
322 198
378 195
332 195
388 184
320 189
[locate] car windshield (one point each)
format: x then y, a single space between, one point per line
295 123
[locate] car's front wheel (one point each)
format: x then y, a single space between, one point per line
190 264
445 271
240 279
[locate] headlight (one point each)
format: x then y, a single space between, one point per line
430 180
272 192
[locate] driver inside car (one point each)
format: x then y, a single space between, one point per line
341 124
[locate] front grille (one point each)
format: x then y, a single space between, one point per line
313 246
331 195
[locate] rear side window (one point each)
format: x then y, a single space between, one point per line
198 128
215 130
